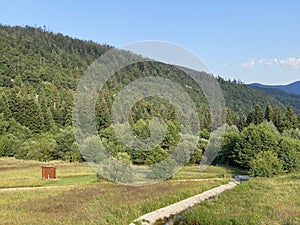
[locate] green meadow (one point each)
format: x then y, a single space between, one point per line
77 197
259 201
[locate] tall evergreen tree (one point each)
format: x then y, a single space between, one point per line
269 113
4 106
256 116
32 117
46 114
277 119
289 118
242 123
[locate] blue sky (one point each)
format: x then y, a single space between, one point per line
254 41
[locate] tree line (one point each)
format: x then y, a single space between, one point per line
268 145
39 72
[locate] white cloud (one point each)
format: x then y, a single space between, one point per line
292 62
265 61
249 65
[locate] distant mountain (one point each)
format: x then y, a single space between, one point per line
293 88
283 97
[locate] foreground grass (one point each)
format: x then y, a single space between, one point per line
259 201
85 201
81 200
102 203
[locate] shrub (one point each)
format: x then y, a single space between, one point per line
289 154
265 164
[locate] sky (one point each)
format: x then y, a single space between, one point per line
251 40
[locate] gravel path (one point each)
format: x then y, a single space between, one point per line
168 211
28 188
45 187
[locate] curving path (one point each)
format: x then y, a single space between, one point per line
171 210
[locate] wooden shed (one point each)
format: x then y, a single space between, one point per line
48 172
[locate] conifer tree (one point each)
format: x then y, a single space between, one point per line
289 118
269 113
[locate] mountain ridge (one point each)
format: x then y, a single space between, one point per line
283 97
293 87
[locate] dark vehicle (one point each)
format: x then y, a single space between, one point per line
241 178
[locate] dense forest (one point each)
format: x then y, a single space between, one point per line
39 73
283 97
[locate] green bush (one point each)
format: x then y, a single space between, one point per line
265 164
289 154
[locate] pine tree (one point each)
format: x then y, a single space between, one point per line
18 81
4 107
256 116
32 117
46 114
229 117
269 112
277 119
16 105
289 119
242 122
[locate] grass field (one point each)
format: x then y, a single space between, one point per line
27 173
259 201
192 172
80 199
104 203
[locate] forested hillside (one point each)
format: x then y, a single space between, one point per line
283 97
40 70
34 56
